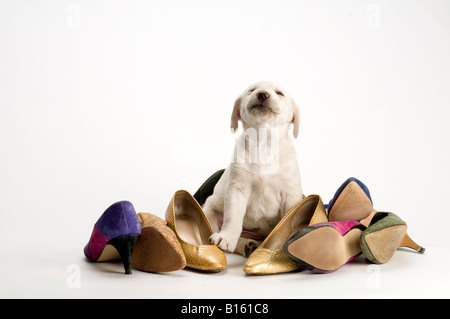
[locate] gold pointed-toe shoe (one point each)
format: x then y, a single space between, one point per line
269 258
187 220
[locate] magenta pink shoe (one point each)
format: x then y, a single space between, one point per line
325 247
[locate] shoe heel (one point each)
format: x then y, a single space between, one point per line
124 246
408 242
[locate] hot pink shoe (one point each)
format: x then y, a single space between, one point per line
325 247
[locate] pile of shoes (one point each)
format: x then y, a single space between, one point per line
322 239
313 236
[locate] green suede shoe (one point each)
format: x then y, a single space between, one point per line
384 235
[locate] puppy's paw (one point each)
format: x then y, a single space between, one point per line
223 242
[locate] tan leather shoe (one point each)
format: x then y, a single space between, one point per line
157 248
186 218
269 258
352 201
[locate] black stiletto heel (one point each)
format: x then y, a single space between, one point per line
124 246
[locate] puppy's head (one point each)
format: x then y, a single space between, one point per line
265 104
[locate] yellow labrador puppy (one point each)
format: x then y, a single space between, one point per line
263 181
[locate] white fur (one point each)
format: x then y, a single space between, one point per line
255 193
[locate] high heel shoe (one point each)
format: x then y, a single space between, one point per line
269 257
325 247
114 235
352 201
187 220
157 248
386 232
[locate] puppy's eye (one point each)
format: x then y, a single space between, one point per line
279 93
250 91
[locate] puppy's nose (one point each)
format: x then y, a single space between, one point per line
263 96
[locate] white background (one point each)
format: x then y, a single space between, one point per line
108 100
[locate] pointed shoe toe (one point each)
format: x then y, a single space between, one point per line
267 261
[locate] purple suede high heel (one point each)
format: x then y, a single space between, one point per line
325 247
114 235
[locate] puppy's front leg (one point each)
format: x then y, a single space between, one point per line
235 206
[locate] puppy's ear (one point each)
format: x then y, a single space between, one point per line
296 118
235 116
